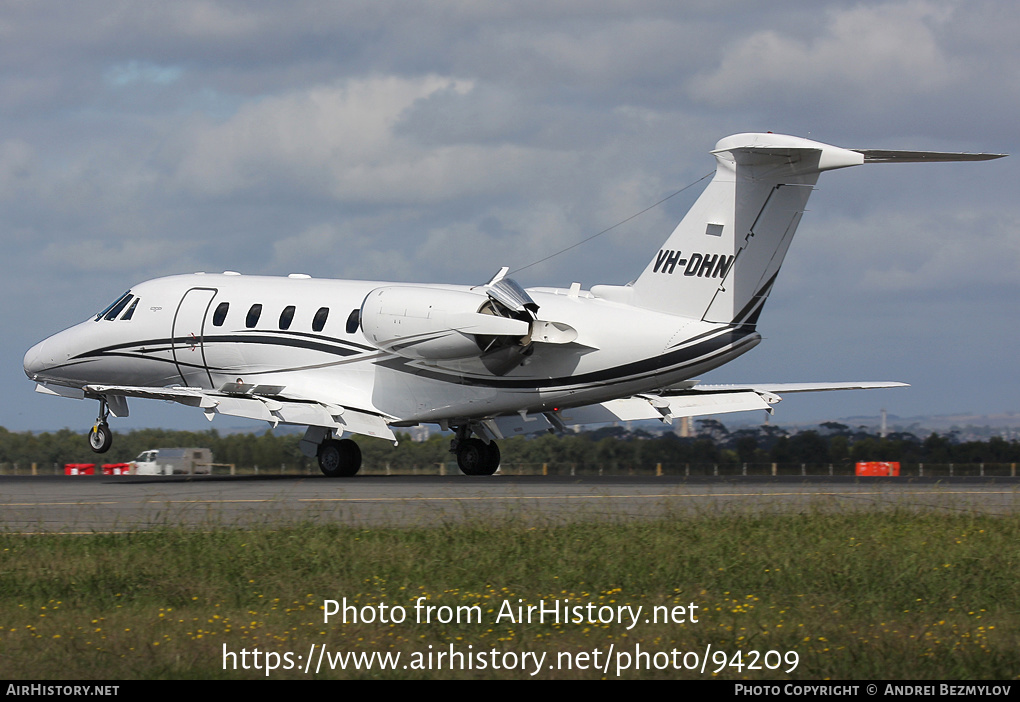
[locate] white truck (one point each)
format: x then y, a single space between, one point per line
173 461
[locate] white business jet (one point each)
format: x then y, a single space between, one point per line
488 361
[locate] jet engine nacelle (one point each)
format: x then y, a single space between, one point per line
435 324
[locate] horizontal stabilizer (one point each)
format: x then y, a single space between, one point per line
888 156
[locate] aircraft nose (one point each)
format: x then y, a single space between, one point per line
36 360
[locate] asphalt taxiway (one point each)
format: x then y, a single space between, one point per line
91 504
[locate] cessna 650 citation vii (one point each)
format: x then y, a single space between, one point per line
489 361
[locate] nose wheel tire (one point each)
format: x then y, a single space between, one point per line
339 459
475 457
100 438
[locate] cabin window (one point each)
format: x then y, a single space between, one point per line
253 316
319 320
131 310
286 317
113 304
353 321
220 315
118 308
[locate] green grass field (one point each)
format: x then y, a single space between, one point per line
860 595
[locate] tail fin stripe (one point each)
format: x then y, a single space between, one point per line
756 302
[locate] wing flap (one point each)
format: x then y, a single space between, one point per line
60 390
668 408
365 423
628 409
718 403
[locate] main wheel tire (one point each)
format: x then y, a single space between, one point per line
475 457
329 458
100 438
492 459
339 459
351 457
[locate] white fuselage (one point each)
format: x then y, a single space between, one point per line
201 331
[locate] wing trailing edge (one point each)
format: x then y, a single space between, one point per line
804 387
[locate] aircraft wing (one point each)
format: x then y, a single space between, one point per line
803 387
268 403
684 401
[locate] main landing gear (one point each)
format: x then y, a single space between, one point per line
339 459
474 456
100 437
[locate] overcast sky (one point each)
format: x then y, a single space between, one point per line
437 141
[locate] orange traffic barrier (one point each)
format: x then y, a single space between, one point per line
878 468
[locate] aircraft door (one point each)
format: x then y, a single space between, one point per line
188 334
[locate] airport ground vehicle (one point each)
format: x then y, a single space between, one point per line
173 461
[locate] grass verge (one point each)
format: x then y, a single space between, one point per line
865 595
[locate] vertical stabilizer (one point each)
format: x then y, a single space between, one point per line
720 262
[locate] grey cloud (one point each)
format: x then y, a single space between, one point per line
435 142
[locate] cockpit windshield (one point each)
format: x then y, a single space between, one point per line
115 307
131 310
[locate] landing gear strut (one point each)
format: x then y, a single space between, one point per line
100 437
339 459
474 456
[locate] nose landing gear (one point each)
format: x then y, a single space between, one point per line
100 437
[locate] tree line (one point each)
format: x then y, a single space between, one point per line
713 443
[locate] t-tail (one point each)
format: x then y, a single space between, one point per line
721 261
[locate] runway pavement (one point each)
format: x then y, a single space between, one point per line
89 504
